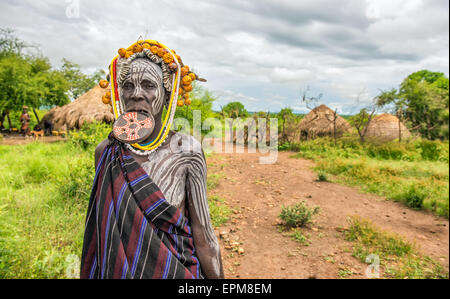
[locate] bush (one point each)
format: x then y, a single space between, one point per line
298 215
413 196
90 135
322 177
387 151
430 150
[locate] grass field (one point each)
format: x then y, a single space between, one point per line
415 173
44 192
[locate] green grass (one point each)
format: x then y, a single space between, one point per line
219 211
398 258
44 192
415 173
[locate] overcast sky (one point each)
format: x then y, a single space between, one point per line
262 53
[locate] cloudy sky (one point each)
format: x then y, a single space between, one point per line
262 53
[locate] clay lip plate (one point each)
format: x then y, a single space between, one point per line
133 127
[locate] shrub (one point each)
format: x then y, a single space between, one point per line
298 215
322 177
413 196
430 150
90 135
386 152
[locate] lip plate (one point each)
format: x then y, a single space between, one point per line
133 127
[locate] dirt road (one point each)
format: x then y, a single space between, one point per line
256 192
16 139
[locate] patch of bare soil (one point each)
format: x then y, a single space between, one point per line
257 192
18 139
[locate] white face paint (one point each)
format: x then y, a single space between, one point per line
142 88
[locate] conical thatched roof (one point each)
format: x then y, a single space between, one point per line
385 127
319 123
86 109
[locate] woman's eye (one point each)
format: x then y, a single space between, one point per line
128 86
148 85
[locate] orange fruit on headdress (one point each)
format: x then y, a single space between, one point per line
137 48
184 70
168 58
122 52
187 80
103 83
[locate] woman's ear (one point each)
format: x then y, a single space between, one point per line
167 100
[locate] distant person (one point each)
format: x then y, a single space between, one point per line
25 121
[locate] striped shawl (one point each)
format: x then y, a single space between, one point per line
131 230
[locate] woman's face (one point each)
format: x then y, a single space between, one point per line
143 90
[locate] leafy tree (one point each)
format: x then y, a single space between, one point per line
235 110
79 83
10 43
423 101
202 101
27 78
283 116
30 81
362 120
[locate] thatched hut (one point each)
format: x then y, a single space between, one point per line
87 108
321 122
386 127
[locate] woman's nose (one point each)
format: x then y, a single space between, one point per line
138 95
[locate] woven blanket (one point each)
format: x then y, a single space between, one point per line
131 230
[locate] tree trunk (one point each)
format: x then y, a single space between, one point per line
35 114
334 127
9 121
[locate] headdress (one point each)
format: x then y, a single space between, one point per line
177 81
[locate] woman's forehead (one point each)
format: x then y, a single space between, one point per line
145 66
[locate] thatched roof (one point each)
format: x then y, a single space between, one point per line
86 109
319 123
385 127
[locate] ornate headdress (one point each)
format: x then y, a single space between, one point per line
177 81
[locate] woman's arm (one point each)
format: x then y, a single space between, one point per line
205 241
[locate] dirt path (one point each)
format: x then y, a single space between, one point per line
256 192
16 139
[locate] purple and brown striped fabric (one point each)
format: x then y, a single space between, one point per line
131 230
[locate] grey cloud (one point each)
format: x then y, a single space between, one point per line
252 49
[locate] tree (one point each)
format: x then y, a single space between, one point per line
235 110
202 101
27 78
362 120
333 119
283 116
10 43
310 102
79 83
423 101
